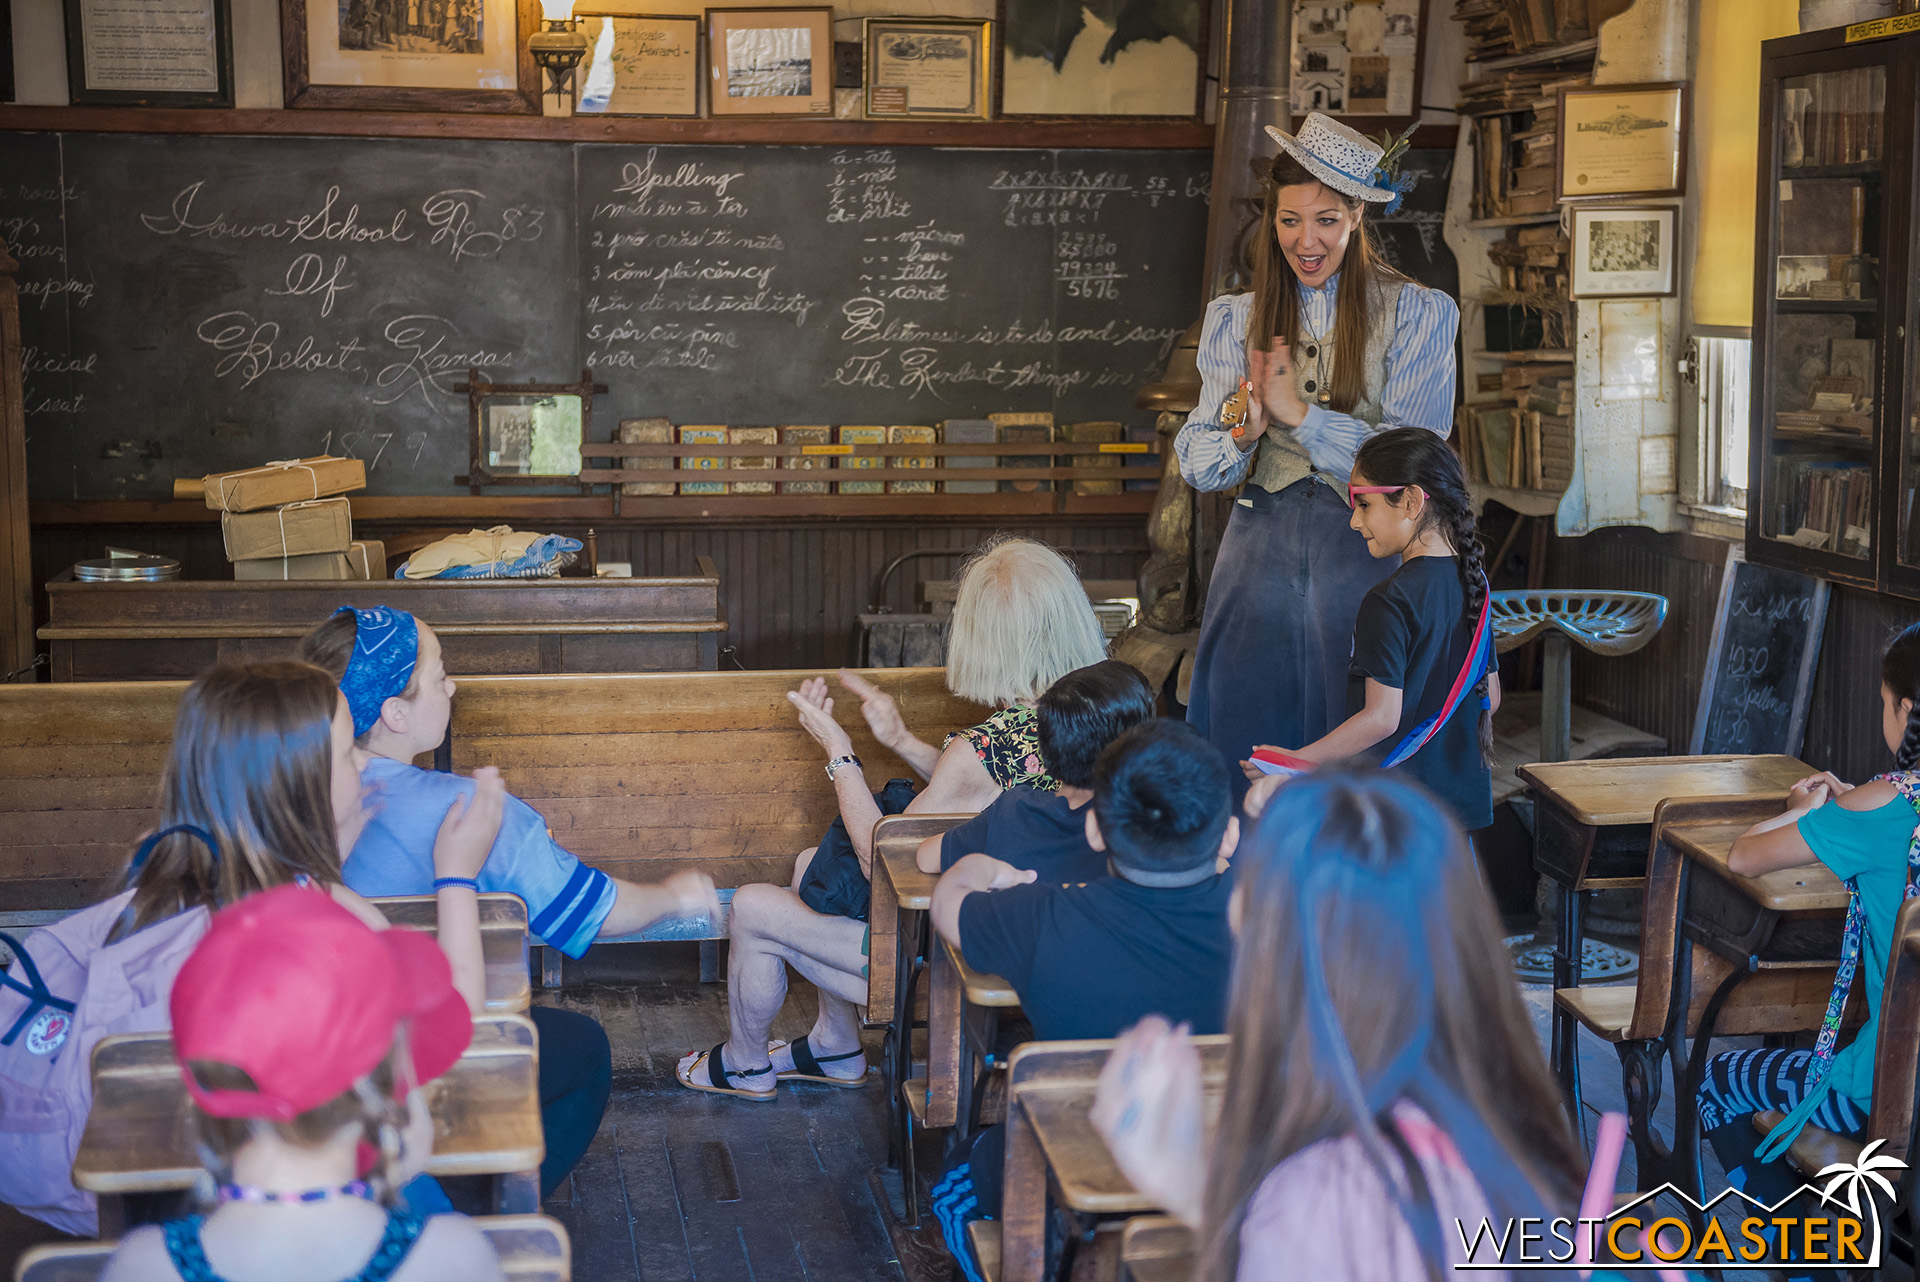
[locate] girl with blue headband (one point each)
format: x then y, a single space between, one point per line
390 670
1384 1078
1869 836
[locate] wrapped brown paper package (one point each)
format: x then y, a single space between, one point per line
300 529
318 565
368 557
277 484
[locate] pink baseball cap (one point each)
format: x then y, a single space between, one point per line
305 998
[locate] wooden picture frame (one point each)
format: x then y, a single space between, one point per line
463 87
116 58
1624 253
1019 45
676 41
911 72
1322 61
1622 141
758 64
483 395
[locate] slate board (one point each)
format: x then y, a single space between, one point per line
1760 661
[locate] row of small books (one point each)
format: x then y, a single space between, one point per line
995 429
1823 503
1521 448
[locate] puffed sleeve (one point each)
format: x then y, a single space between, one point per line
1419 391
1209 459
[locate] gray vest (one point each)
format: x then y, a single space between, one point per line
1282 460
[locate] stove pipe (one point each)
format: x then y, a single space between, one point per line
1253 94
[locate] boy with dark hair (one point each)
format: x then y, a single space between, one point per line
1077 717
1149 936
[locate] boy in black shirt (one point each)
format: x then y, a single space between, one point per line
1148 937
1077 717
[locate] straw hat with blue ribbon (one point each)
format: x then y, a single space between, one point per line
1347 160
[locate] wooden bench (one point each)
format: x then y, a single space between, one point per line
532 1248
637 774
486 1110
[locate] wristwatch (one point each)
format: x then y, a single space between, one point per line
837 762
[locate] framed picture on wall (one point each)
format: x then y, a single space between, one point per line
1144 58
1622 140
929 68
411 55
1624 253
770 62
1359 60
639 65
148 53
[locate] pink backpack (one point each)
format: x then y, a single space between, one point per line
68 987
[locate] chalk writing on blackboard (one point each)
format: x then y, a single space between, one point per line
1760 661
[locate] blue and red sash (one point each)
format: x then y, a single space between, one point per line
1471 673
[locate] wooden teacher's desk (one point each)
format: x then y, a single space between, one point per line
486 1119
487 627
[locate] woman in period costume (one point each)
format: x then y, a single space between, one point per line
1332 346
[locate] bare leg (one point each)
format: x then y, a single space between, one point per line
769 930
800 866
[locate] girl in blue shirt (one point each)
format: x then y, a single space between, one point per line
1869 836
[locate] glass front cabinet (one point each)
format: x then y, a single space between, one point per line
1836 417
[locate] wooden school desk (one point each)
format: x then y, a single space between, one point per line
1053 1150
503 942
486 1112
1590 832
963 1007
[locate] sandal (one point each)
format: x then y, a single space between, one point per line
806 1065
714 1079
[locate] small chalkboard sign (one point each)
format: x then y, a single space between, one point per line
1760 663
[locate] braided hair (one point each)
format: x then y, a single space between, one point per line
1900 672
1415 456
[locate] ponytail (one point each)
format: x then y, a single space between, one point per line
1900 673
1415 456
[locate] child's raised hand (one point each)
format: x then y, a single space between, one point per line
467 833
1148 1108
695 893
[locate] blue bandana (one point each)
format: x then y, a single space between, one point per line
386 645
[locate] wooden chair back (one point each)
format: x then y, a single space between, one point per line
637 774
532 1248
1896 1058
896 840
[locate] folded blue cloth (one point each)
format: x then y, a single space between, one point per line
535 563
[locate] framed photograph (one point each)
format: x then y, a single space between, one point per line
1624 253
929 68
1359 60
639 65
526 433
411 55
1063 58
1622 140
770 62
150 53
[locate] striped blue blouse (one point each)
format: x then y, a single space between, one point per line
1419 391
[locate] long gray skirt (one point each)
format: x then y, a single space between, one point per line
1277 635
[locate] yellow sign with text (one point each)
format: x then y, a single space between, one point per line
826 449
1880 28
1123 447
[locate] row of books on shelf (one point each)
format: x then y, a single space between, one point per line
1518 446
1496 28
1532 261
995 429
1835 118
1823 504
1514 165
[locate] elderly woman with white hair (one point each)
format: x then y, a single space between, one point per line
1021 621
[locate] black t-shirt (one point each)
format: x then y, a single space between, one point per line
1413 634
1028 828
1091 960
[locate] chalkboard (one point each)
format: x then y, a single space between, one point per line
1761 660
1410 235
191 303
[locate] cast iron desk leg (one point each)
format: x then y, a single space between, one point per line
1566 1030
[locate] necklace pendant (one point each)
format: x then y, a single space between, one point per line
1325 397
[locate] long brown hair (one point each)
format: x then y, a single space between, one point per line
251 765
1368 969
1276 291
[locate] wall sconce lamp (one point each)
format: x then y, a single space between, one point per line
558 49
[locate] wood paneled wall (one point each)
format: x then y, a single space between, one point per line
792 592
1657 688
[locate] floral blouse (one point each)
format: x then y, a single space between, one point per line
1008 745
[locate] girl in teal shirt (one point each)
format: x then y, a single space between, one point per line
1869 837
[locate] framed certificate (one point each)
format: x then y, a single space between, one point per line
1622 140
639 65
150 53
929 68
770 62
